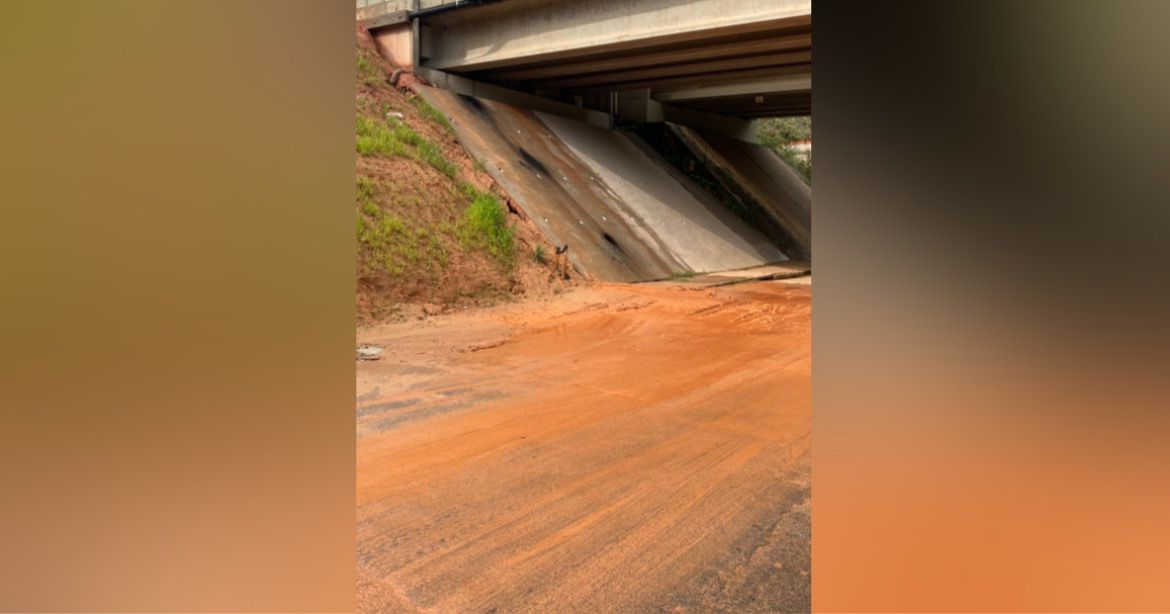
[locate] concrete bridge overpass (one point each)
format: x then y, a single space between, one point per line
636 60
534 88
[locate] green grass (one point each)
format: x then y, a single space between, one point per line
377 138
484 225
538 255
366 188
468 190
368 70
401 246
431 113
681 275
389 242
429 153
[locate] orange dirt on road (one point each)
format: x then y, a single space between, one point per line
620 448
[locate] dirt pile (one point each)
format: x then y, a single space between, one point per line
434 232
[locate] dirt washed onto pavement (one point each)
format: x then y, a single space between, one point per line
618 448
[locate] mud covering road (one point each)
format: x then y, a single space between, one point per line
620 448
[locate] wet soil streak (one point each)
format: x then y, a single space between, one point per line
625 448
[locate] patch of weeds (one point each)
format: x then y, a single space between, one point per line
391 243
468 190
368 70
484 225
366 188
431 113
437 252
538 255
388 242
681 275
376 138
429 153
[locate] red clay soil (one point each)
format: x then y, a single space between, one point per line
618 448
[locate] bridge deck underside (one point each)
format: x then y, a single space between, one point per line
757 69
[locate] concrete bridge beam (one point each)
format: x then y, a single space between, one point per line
523 31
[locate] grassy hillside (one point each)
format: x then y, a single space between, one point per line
432 230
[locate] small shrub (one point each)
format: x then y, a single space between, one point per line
538 254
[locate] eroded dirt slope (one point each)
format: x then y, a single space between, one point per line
615 449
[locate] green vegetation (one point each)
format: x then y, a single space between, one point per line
368 71
389 242
538 254
431 113
410 231
781 130
376 138
485 225
429 153
779 133
681 275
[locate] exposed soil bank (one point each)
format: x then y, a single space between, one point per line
617 448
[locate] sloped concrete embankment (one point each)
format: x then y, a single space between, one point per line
625 213
777 199
558 192
690 223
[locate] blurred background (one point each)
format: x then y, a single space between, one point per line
990 340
